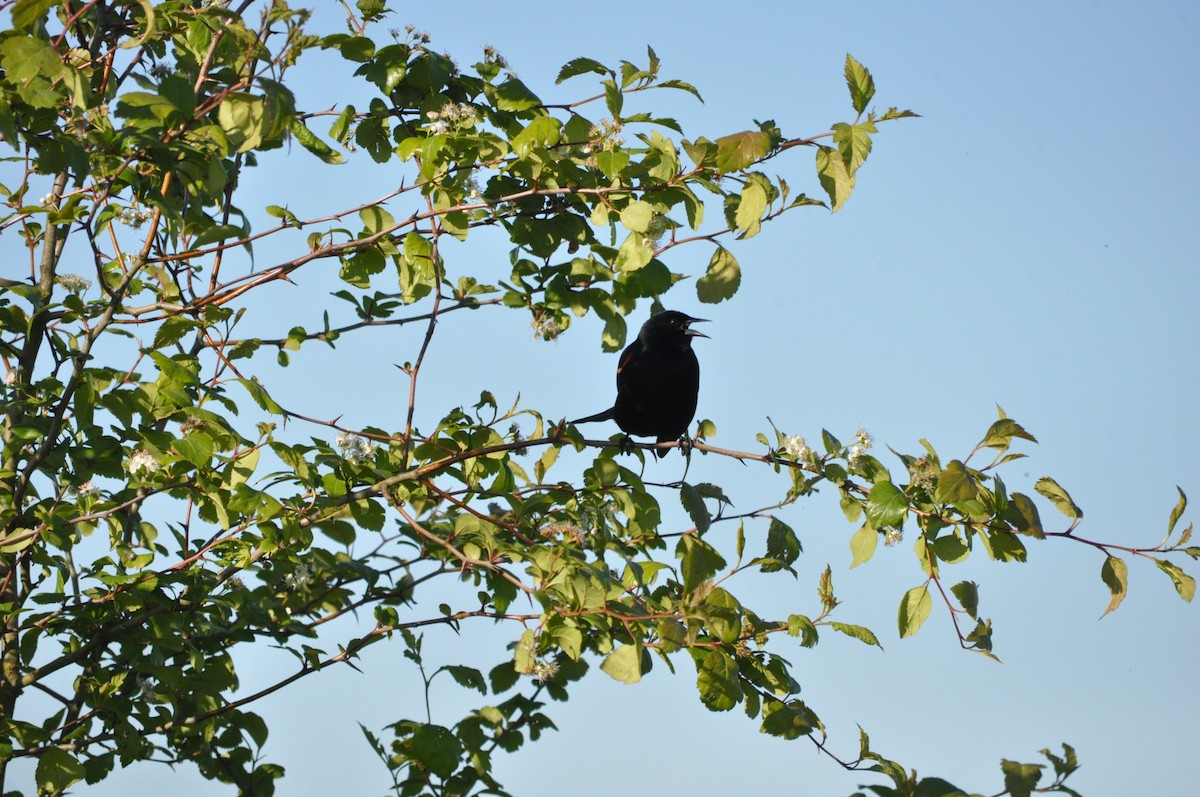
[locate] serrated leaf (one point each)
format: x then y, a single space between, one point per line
854 143
860 83
915 607
1185 585
196 448
722 279
693 503
955 484
624 664
782 542
311 142
863 545
886 505
717 681
1000 434
580 66
468 677
1024 515
1049 488
1177 512
741 150
750 207
858 632
1020 779
513 95
832 174
700 561
967 593
637 215
1115 574
56 770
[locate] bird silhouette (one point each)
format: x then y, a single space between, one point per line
658 380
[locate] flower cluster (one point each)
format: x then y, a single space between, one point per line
796 448
354 448
893 536
546 327
141 460
85 490
862 444
451 116
299 578
133 216
545 671
604 135
74 283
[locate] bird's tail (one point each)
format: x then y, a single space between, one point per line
607 415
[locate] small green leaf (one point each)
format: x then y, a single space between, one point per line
967 593
1049 488
782 542
955 484
513 95
196 448
1001 433
886 505
1020 779
637 216
581 66
801 626
717 681
750 206
311 142
693 502
1115 574
1185 585
740 150
860 82
788 720
915 607
722 279
1177 512
435 748
858 632
624 664
832 174
700 561
863 545
56 770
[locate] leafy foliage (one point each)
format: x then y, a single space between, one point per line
157 511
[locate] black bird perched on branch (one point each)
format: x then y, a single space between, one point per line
658 379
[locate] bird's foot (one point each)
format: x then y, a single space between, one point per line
685 445
625 446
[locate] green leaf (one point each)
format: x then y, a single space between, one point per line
196 448
513 95
1020 779
260 396
543 132
693 502
1115 574
624 664
27 12
633 254
915 607
1024 516
436 749
581 66
311 142
637 216
858 632
854 144
1177 512
801 626
782 542
1050 489
56 770
717 681
967 593
722 279
700 561
741 150
861 84
955 484
949 548
863 545
1000 434
788 720
886 505
1185 585
750 206
612 161
468 677
832 174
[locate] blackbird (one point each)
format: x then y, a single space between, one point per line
658 379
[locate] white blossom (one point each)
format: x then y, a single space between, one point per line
141 460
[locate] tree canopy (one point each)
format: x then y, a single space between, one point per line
168 500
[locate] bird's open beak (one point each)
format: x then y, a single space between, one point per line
693 333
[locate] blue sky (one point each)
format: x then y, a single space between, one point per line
1029 242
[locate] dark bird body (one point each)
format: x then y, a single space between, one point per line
658 380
